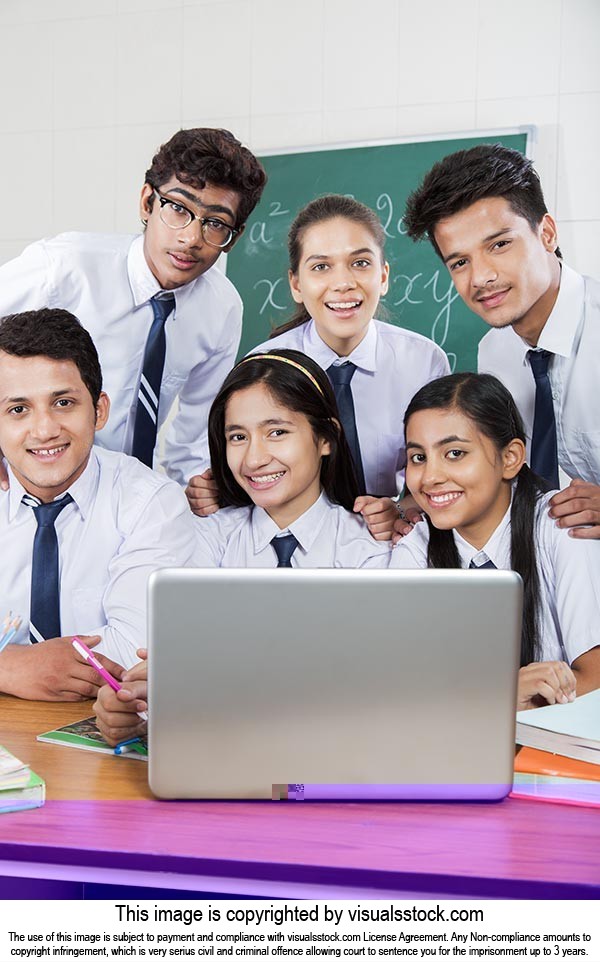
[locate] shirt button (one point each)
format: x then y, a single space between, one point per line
555 396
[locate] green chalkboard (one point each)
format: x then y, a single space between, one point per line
421 295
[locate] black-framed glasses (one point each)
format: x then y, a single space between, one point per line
214 231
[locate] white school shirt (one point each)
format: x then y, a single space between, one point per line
328 536
392 364
572 335
569 572
125 522
106 282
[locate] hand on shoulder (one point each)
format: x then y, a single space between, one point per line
379 515
577 505
202 494
409 514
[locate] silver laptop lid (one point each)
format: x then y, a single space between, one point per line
339 683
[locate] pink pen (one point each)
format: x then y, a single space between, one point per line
83 650
89 656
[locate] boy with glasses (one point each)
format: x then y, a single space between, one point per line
166 321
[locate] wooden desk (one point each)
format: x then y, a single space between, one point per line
101 824
69 773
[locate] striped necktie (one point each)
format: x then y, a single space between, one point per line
44 609
340 376
284 548
486 564
146 415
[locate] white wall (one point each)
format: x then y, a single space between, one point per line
89 88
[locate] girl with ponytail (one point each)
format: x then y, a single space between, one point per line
484 506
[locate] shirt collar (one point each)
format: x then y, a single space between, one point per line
558 333
494 550
83 490
305 529
143 282
141 279
364 355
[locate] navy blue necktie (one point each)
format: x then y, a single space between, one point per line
340 376
146 415
486 564
44 610
284 549
544 456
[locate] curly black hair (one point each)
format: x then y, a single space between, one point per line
204 155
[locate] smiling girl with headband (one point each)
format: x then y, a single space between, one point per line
283 471
286 487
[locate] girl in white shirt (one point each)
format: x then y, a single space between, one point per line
283 471
484 506
338 273
286 487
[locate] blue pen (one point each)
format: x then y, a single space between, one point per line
120 748
130 745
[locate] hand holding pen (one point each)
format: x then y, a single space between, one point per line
120 715
52 671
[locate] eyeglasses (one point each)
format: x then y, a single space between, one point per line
214 231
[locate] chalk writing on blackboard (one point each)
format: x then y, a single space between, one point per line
269 300
435 289
385 205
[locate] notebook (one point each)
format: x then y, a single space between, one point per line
532 761
572 730
85 734
333 684
546 777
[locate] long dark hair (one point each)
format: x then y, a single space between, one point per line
317 212
485 401
298 391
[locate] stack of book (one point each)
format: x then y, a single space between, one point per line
20 788
561 758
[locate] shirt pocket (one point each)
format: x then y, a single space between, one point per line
391 458
174 381
87 608
170 389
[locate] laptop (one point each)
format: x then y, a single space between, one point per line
333 684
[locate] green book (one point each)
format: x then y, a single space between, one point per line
20 788
84 734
